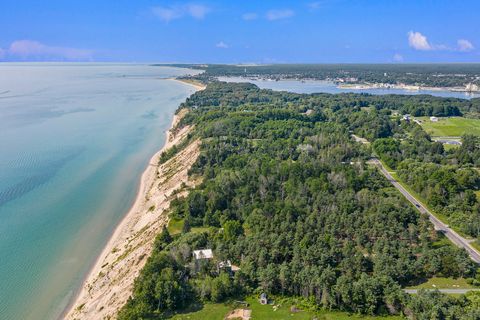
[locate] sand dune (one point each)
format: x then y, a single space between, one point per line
110 281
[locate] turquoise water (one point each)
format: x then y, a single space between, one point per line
312 86
74 140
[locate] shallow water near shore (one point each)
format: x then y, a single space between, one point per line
74 140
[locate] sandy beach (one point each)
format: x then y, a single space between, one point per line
197 85
110 281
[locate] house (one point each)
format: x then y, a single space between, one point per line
227 266
203 254
450 142
434 119
406 117
263 298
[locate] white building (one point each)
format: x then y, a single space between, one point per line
203 254
471 87
434 119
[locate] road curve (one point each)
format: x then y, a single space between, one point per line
439 225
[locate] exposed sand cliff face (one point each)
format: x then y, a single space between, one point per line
110 281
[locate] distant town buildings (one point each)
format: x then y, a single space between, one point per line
471 87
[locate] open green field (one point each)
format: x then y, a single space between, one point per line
270 312
175 226
450 127
209 311
450 146
444 283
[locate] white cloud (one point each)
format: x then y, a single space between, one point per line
222 45
170 13
465 45
197 11
249 16
418 41
28 49
279 14
397 57
315 5
166 14
2 53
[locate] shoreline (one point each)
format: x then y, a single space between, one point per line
366 86
148 178
108 247
413 88
197 85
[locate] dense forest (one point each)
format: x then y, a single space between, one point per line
288 199
434 75
446 179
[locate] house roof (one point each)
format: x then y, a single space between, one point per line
225 264
203 254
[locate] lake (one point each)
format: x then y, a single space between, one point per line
318 86
74 140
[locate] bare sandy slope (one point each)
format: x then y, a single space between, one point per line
110 282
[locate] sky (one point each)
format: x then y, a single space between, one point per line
262 31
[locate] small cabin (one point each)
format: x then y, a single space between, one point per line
203 254
263 298
434 119
227 266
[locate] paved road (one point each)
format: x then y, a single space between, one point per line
439 225
454 291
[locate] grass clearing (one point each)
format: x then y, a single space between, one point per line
450 127
208 311
268 312
450 146
175 226
444 283
476 244
199 229
260 312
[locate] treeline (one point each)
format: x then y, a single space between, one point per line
447 180
416 105
435 75
288 199
448 189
